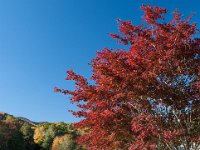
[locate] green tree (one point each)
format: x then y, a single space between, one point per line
50 133
28 132
16 142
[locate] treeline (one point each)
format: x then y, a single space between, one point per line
18 134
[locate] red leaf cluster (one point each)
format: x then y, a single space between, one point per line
146 97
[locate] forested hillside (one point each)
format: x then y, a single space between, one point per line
18 133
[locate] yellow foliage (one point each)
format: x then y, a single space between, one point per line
39 135
58 141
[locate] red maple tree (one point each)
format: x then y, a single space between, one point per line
146 97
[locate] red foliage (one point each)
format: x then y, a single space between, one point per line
146 97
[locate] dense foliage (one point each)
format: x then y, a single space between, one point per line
145 97
17 134
10 135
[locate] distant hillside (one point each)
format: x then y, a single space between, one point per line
29 121
4 116
19 133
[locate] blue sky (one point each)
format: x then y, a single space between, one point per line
41 39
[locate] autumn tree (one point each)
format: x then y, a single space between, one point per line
39 135
147 95
65 142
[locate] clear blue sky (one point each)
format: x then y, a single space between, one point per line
41 39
